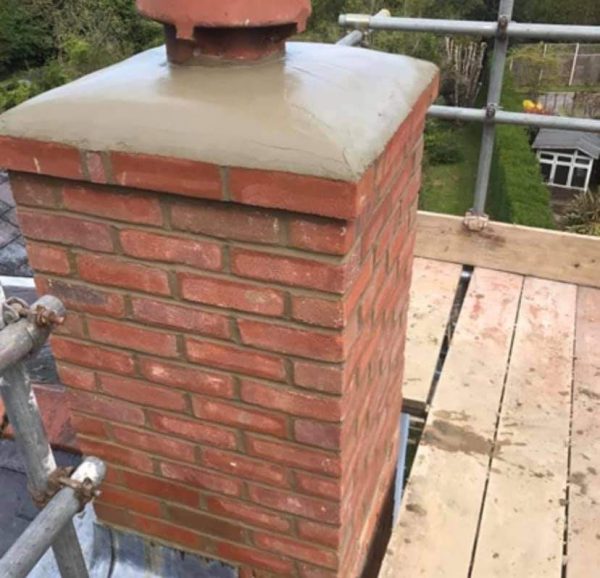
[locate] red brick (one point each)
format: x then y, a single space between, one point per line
122 205
307 571
319 533
186 318
116 273
171 175
376 223
298 403
115 454
320 377
231 295
298 505
304 194
143 394
132 337
121 498
240 416
363 280
314 433
321 235
288 270
244 468
154 444
391 159
193 430
106 407
253 557
71 231
318 311
92 356
282 339
116 516
35 191
235 359
295 549
188 378
73 326
94 164
294 456
76 377
48 259
79 297
152 247
156 487
226 221
206 524
29 156
318 486
89 426
247 514
167 532
202 479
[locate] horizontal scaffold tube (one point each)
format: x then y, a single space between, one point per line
473 28
518 118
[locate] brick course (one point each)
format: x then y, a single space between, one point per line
239 368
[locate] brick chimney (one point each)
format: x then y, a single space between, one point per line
234 243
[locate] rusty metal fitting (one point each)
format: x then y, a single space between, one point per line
85 491
14 309
44 317
228 30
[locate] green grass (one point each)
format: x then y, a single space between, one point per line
449 188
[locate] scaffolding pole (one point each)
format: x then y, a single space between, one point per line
502 30
25 330
515 118
488 137
50 523
565 32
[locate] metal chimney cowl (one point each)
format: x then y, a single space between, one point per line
198 31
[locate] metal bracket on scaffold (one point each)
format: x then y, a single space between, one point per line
61 493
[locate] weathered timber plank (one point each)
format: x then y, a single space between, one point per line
545 254
522 525
584 497
441 506
432 294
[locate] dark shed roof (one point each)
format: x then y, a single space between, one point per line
586 142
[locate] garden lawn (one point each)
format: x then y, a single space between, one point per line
449 188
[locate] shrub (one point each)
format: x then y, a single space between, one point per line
441 147
583 214
26 38
15 92
517 192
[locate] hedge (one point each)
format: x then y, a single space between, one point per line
517 192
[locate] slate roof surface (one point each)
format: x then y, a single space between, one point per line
13 255
552 139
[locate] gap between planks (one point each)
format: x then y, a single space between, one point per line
432 294
442 503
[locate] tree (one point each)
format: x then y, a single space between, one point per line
26 40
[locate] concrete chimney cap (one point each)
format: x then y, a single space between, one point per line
186 15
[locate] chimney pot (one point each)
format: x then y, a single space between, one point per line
229 30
